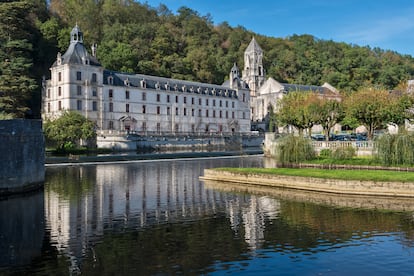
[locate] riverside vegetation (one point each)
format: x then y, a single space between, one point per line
390 150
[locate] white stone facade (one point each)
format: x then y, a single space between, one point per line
141 103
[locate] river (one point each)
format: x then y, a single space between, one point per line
155 217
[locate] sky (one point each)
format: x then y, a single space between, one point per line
387 24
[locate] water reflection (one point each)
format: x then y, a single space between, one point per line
157 218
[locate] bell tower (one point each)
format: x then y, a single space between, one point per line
253 73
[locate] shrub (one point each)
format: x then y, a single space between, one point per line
343 153
325 153
294 149
395 149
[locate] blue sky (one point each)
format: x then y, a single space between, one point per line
388 24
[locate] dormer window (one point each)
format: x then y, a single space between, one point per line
126 82
184 88
167 86
176 87
157 85
110 80
143 84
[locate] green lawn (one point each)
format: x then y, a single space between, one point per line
363 175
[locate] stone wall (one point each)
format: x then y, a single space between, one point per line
23 155
371 188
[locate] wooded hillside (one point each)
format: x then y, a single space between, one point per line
134 37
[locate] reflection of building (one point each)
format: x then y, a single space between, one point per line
138 195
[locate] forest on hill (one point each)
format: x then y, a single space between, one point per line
137 38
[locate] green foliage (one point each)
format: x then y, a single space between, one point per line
67 131
344 153
294 149
370 107
325 153
395 149
134 37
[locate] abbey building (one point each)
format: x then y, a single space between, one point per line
146 104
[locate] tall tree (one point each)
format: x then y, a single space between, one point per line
331 113
16 83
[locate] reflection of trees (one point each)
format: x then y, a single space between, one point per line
71 182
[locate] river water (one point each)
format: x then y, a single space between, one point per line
157 218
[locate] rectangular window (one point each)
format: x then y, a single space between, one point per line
94 92
111 107
192 128
206 102
244 97
214 114
111 124
199 113
221 103
59 91
185 112
79 90
127 94
176 111
176 99
94 106
144 109
199 101
79 105
111 93
176 127
59 105
78 75
94 78
158 110
60 76
168 110
185 100
168 98
127 108
192 112
227 104
48 93
158 97
232 115
232 104
144 96
214 102
144 126
227 114
221 114
192 100
244 115
158 127
48 107
207 113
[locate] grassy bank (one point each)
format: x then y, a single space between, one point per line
362 175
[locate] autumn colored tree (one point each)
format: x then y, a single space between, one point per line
370 107
331 113
299 109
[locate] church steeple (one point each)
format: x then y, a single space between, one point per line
76 35
234 77
253 73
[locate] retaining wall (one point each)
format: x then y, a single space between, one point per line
23 155
337 186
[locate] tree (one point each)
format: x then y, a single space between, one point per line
299 109
68 130
331 113
370 107
400 108
16 60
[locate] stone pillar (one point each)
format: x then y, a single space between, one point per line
22 164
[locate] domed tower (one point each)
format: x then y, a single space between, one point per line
76 82
253 73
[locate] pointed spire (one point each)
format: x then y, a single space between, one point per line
253 46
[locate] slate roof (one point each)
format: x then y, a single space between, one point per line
166 84
253 46
76 54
